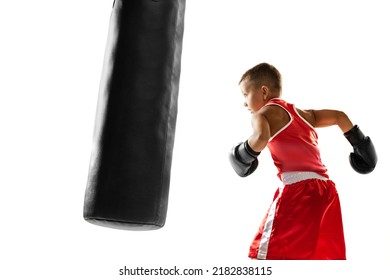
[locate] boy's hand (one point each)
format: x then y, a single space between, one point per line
243 159
363 159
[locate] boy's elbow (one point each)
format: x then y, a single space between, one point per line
341 115
259 141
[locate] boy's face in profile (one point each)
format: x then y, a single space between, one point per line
255 98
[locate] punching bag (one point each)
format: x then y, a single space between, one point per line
129 172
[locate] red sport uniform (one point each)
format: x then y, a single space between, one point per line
304 221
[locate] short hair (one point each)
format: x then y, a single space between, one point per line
264 73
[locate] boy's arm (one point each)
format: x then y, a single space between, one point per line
261 132
243 157
364 158
324 118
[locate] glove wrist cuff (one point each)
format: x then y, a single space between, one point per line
354 135
245 153
250 150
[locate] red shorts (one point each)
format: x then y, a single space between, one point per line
303 223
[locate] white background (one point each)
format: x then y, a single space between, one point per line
332 54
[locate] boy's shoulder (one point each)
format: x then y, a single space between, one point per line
279 102
276 110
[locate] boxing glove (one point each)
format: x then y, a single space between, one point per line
363 159
243 159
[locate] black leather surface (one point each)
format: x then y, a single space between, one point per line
129 175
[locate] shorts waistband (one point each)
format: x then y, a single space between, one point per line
289 178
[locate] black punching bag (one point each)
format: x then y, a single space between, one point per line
130 166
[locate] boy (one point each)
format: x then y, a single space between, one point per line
304 221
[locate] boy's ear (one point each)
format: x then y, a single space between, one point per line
265 91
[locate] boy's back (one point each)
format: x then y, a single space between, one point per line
294 147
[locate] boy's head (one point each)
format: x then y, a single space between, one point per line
264 74
260 84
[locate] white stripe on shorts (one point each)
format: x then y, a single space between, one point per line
264 241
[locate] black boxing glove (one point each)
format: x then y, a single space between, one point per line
363 159
243 159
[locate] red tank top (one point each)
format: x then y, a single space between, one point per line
295 146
